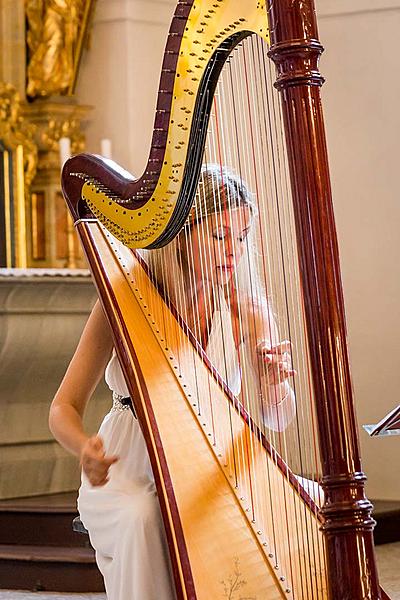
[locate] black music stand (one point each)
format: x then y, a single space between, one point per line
389 425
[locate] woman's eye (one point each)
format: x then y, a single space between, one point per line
218 235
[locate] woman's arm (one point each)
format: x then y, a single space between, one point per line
271 361
82 376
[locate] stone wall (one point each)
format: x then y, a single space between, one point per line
360 96
42 315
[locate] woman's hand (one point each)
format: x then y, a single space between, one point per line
277 360
94 461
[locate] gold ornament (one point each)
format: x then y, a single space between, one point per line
16 131
55 31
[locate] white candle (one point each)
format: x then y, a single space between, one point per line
105 146
65 149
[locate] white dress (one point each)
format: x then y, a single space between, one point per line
123 517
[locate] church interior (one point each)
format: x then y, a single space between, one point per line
82 76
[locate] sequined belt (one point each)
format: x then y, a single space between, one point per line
122 403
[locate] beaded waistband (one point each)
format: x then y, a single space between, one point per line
122 403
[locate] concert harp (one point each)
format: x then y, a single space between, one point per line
240 86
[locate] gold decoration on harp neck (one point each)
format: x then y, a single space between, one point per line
207 27
56 30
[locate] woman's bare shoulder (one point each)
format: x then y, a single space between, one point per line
96 340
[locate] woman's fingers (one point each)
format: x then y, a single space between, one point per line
98 472
278 360
96 452
110 460
102 465
94 461
279 366
96 444
97 482
266 349
281 348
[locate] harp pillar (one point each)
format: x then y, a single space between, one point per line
347 522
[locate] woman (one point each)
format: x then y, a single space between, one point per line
208 273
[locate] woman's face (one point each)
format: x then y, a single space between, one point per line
216 245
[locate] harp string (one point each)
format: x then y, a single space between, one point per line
254 114
264 267
209 305
285 281
221 158
285 245
247 66
250 165
243 321
290 293
245 392
212 156
245 136
299 326
266 491
231 295
268 257
228 160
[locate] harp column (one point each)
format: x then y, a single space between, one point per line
347 522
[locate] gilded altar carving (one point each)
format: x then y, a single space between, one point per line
53 242
19 165
15 130
56 30
49 136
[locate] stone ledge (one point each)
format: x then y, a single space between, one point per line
38 274
41 322
46 294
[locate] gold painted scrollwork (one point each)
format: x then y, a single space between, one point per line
56 29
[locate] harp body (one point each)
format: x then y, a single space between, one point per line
211 521
215 544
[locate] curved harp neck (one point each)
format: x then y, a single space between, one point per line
150 211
